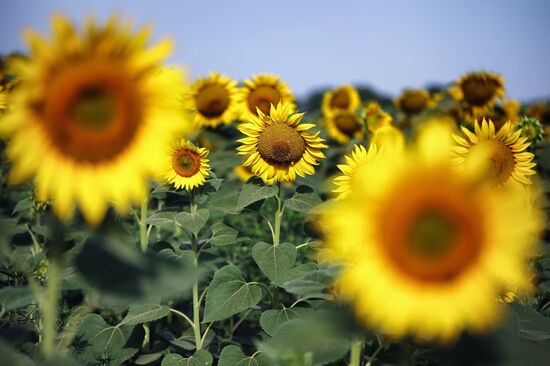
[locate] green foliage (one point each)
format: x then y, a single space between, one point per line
200 358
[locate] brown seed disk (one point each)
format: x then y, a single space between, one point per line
413 102
212 101
263 97
340 99
186 162
347 123
478 91
280 144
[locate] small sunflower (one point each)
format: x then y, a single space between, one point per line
350 178
92 116
413 101
531 128
343 98
279 147
478 89
506 150
343 126
186 165
375 117
418 238
213 100
261 92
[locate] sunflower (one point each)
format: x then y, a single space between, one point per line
350 178
413 101
213 100
506 150
343 126
186 165
410 260
478 89
375 117
279 147
389 138
92 116
261 92
500 113
343 98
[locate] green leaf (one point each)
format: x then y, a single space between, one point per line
532 325
200 358
303 200
252 192
233 356
224 235
160 218
12 357
193 222
104 340
148 358
23 205
310 283
271 320
15 297
275 262
142 313
229 294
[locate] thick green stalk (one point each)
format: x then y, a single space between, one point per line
356 350
196 303
143 237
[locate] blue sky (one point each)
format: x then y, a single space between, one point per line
387 44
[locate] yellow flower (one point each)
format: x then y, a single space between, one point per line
92 117
389 138
213 100
418 239
375 117
505 149
343 98
186 165
413 101
350 179
244 173
500 113
478 89
261 92
279 147
343 126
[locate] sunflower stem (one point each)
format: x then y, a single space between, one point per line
51 301
356 352
143 237
278 217
196 303
378 350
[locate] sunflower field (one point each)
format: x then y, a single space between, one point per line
148 218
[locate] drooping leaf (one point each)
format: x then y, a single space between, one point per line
253 192
15 297
229 294
310 283
148 358
304 199
274 262
233 356
193 222
200 358
142 313
272 319
224 235
160 218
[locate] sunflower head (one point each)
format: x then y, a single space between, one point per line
531 128
279 147
504 149
479 89
343 98
91 116
350 178
413 101
344 125
213 100
186 165
375 117
262 91
418 237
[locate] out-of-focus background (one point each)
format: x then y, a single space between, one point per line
388 45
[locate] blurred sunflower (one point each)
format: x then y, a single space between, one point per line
279 147
500 113
478 89
531 128
389 138
505 149
3 99
186 165
350 177
92 116
343 126
343 98
413 101
540 111
375 117
410 260
213 100
261 92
